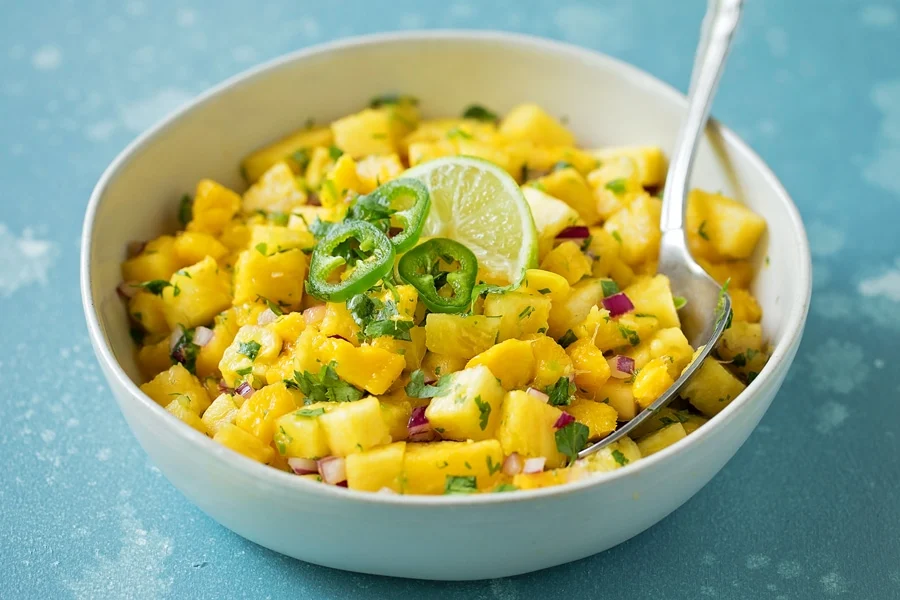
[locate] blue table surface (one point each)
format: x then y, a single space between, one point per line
809 507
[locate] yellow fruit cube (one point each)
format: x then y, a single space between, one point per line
661 439
589 364
520 314
288 326
711 388
299 434
545 283
615 456
649 160
366 132
366 367
196 294
452 467
620 396
527 427
149 311
253 349
721 228
551 362
420 152
486 151
569 186
221 412
653 295
412 351
193 246
605 249
214 206
321 160
616 183
744 306
235 438
652 381
154 358
599 417
692 422
174 383
672 344
530 122
277 191
156 261
269 239
277 277
294 146
181 408
372 171
470 408
259 412
569 261
338 322
355 427
396 412
742 344
437 130
550 215
377 469
637 225
512 362
435 365
460 336
340 180
533 481
574 310
211 354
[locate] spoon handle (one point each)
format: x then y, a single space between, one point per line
719 25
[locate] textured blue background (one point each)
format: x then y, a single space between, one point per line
809 508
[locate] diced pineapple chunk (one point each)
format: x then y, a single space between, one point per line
174 383
745 306
638 227
620 396
470 409
428 467
366 367
533 481
661 439
486 151
436 365
297 144
181 408
214 206
527 427
259 412
591 368
538 282
650 161
614 456
277 191
269 239
520 314
211 354
193 246
572 312
569 261
157 260
512 362
550 215
569 186
616 183
413 350
692 422
251 352
436 130
364 133
420 152
338 322
196 294
299 434
288 327
671 343
355 427
550 362
148 310
742 344
154 358
711 388
653 295
276 276
652 381
221 412
396 412
341 178
721 228
460 336
377 469
530 122
372 171
598 416
605 249
235 438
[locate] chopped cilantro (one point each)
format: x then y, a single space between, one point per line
586 243
272 306
155 286
617 236
456 132
768 260
629 334
185 351
619 457
544 291
460 484
526 312
751 376
559 166
609 287
327 386
417 388
185 210
679 301
616 186
571 439
468 466
244 371
702 231
262 248
249 349
567 339
493 468
309 413
480 113
334 152
720 305
385 99
279 218
484 412
282 439
376 318
505 487
741 360
379 136
301 157
561 392
645 315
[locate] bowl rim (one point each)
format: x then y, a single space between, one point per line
268 476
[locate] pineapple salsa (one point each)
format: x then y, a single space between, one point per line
442 306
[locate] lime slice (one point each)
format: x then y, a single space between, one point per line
478 204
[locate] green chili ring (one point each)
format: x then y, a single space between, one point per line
374 259
411 218
421 266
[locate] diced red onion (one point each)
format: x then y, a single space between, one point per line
303 466
245 389
333 469
203 336
135 248
342 484
265 317
314 314
224 389
621 367
534 465
418 428
538 394
424 436
127 289
563 420
576 232
618 304
176 336
513 464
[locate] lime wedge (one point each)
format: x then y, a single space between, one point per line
478 204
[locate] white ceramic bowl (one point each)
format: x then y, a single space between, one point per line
607 103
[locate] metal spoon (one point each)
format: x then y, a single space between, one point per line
705 315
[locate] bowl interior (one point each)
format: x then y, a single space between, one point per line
604 102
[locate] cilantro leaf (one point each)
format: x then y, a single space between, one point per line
301 157
262 247
417 388
327 386
334 152
616 186
185 210
456 132
701 231
617 236
679 301
272 306
493 468
484 412
310 412
561 392
155 287
629 334
455 484
386 99
567 339
559 166
619 457
571 439
244 371
249 349
609 287
505 487
395 328
376 318
185 351
480 113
